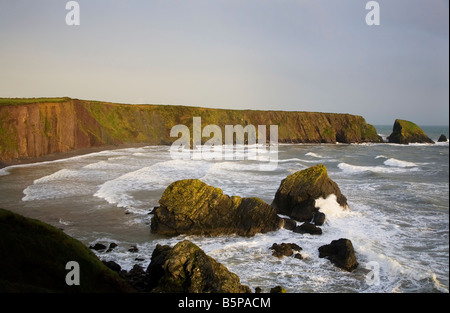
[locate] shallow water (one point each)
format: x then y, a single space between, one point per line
398 219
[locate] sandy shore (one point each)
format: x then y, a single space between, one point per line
69 154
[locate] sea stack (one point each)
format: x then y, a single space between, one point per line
405 132
298 192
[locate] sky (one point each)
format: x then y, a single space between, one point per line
291 55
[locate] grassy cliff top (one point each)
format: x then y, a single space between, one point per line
17 101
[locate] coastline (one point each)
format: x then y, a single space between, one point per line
69 154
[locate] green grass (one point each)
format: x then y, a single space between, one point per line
17 101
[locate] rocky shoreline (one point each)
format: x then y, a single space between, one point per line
186 207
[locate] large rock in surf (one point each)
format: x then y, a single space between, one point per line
442 138
186 268
405 132
33 258
341 253
298 192
192 207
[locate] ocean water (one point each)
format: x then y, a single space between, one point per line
398 219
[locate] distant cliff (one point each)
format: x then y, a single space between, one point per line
32 128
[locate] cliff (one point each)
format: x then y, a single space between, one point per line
31 128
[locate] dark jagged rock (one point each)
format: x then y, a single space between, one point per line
98 247
113 265
193 207
341 253
405 132
308 228
133 249
319 218
111 246
298 256
442 138
137 277
289 223
34 256
284 249
186 268
297 193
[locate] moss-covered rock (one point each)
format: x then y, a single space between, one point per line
405 132
298 192
33 258
192 207
187 268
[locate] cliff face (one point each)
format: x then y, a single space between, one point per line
31 128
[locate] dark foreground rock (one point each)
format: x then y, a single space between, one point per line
298 192
186 268
341 253
442 138
33 258
405 132
192 207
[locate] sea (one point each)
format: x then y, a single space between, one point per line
398 216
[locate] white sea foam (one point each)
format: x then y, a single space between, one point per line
399 163
355 169
158 176
315 155
4 171
331 207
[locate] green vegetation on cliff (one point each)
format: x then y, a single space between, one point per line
40 126
33 256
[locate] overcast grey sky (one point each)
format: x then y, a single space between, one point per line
303 55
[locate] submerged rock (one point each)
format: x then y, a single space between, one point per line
192 207
98 247
278 289
298 192
187 268
308 228
405 132
341 253
284 249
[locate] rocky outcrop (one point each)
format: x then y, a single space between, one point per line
31 128
405 132
192 207
442 138
186 268
341 253
33 258
286 249
298 192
